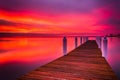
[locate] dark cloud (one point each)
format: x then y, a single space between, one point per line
113 22
18 24
7 23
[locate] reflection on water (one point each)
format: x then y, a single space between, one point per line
105 46
80 40
113 54
76 42
64 45
99 41
26 50
21 55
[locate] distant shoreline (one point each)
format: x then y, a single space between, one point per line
37 35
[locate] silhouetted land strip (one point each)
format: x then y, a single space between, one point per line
35 35
28 35
83 63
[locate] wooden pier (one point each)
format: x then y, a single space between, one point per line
83 63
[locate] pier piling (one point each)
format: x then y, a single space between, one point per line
64 45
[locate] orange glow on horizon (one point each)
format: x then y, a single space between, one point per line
64 23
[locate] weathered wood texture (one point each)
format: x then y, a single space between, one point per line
83 63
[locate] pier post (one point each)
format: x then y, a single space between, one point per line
76 42
85 38
105 45
98 40
80 40
65 46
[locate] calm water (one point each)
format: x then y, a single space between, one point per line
21 55
113 55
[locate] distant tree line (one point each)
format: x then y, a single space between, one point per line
114 35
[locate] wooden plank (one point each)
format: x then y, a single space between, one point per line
83 63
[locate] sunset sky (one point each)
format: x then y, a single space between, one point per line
60 16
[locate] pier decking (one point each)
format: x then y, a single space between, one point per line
83 63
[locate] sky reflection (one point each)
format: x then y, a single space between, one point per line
23 49
21 55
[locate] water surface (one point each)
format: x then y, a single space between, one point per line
21 55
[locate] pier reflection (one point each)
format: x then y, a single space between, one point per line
80 40
105 46
64 45
85 39
98 40
76 42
